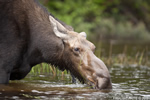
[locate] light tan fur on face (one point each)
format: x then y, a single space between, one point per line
85 47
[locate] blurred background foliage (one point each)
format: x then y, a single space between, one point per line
105 19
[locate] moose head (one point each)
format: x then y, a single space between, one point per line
79 58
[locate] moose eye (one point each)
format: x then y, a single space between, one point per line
76 49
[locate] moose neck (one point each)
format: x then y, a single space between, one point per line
43 38
41 43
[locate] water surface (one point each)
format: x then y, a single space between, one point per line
129 82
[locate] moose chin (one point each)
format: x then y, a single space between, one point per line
30 35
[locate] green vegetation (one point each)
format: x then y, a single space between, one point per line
46 69
126 56
105 19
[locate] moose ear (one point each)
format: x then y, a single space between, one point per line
83 34
59 30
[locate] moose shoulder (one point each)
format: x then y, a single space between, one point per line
30 35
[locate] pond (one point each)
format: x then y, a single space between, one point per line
130 81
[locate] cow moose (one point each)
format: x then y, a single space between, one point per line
30 35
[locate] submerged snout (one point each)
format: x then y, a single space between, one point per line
98 77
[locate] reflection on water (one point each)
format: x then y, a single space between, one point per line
129 82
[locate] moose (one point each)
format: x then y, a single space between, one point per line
30 35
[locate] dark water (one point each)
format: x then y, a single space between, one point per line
129 82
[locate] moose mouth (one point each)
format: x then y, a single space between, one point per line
95 81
